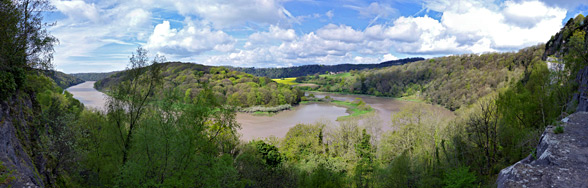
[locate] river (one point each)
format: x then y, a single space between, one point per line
89 96
253 126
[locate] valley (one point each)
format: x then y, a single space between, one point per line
271 94
277 124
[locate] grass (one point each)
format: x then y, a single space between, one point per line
354 109
289 81
410 98
559 129
264 113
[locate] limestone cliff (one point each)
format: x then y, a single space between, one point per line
560 160
557 48
15 118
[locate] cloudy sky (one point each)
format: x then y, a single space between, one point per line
100 35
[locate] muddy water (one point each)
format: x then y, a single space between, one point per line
278 125
385 107
86 94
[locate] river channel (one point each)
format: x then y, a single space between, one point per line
253 126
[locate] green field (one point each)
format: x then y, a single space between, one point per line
289 81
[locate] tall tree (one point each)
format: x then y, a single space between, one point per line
132 96
24 41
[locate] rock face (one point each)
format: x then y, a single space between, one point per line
582 95
561 160
13 154
556 46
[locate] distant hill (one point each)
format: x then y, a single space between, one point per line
233 87
61 79
305 70
93 76
452 81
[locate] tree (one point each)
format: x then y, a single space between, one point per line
132 96
364 166
482 128
577 56
24 42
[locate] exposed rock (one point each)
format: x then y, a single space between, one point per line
12 151
556 46
561 160
582 95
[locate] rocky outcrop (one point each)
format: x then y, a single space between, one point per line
556 46
560 160
581 97
14 121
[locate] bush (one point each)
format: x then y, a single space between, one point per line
7 84
5 175
459 177
558 129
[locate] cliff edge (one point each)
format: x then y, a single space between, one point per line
560 160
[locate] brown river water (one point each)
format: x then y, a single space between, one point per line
277 125
89 96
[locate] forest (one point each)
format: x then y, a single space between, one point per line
229 87
93 76
61 79
173 124
304 70
452 81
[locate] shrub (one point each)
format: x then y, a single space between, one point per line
5 175
459 177
558 129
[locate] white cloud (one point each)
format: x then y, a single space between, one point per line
330 14
192 39
274 33
389 57
341 33
265 33
78 10
228 13
471 26
529 13
467 28
375 9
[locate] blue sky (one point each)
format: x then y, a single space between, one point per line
99 36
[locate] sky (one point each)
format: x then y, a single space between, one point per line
101 35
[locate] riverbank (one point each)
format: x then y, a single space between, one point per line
356 108
264 110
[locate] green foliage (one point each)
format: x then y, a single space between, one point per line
579 20
7 84
365 165
25 43
558 129
305 70
396 174
302 140
448 81
323 177
357 108
61 79
6 175
93 76
577 56
270 154
231 87
459 177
